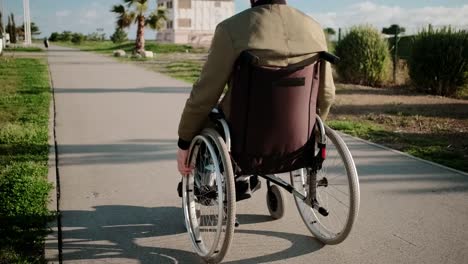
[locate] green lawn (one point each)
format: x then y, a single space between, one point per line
107 47
188 71
436 147
24 49
463 93
24 113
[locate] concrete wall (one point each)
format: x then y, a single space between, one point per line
195 25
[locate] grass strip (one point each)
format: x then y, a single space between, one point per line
24 113
188 71
108 47
24 49
434 147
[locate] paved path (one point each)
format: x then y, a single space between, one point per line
116 134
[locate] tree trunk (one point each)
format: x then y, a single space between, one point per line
13 30
395 58
140 38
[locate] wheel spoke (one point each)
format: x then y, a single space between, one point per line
212 186
335 196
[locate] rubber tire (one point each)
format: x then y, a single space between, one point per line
230 195
184 224
352 174
276 210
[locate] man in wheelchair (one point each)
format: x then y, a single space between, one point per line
265 55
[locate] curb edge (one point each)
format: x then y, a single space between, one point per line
405 154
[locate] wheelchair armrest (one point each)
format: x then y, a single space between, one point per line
216 115
333 59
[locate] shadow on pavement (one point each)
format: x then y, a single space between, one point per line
86 62
157 150
163 90
300 245
112 232
246 219
118 232
62 49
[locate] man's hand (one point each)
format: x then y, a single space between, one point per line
181 162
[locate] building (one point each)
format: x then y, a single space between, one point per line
193 21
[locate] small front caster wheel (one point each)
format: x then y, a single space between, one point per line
275 202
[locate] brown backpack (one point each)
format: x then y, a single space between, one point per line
273 113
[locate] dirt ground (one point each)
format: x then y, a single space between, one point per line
430 127
424 113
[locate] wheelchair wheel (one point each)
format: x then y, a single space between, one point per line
209 197
275 202
337 191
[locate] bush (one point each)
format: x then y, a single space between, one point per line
405 45
24 191
439 61
23 209
119 36
65 36
54 36
95 36
77 38
24 116
365 57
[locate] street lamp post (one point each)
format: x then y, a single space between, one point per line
3 35
2 9
27 23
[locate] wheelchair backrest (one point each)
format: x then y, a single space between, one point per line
272 116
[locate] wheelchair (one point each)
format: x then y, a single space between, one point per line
323 177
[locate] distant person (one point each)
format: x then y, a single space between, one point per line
281 35
46 43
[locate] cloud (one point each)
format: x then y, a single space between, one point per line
62 13
93 13
413 19
85 19
88 18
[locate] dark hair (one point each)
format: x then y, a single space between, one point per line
266 2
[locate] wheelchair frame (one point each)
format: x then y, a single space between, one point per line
310 200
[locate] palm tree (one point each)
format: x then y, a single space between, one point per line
11 28
330 31
135 11
394 30
34 30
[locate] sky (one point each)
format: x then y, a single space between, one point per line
86 16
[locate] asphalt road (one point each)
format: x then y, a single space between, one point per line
116 129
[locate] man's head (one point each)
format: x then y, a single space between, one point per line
261 2
252 2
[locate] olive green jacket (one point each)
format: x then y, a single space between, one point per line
280 34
